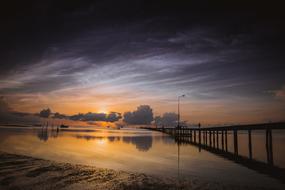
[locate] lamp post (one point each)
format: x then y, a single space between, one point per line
178 109
178 123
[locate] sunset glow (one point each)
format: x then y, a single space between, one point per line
142 94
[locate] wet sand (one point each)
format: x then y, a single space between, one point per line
22 172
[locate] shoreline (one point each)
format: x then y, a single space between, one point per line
23 172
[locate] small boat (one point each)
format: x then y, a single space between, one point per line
120 126
64 126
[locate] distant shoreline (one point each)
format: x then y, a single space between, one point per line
20 125
23 172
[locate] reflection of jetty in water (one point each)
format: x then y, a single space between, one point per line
215 140
142 143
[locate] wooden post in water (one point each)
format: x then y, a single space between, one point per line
226 140
235 142
206 137
190 135
214 139
249 145
210 138
223 140
217 139
266 145
269 148
199 134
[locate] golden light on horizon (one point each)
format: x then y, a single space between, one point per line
103 110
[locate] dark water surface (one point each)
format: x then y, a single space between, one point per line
138 150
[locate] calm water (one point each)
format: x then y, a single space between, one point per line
137 150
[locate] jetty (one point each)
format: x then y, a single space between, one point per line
216 141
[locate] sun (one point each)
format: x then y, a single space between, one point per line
103 111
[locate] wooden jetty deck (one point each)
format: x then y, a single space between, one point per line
215 140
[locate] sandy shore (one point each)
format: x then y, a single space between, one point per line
22 172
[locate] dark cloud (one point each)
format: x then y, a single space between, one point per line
30 29
142 116
111 117
168 119
203 55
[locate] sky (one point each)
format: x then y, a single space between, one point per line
102 56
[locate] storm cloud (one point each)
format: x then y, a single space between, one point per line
141 116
